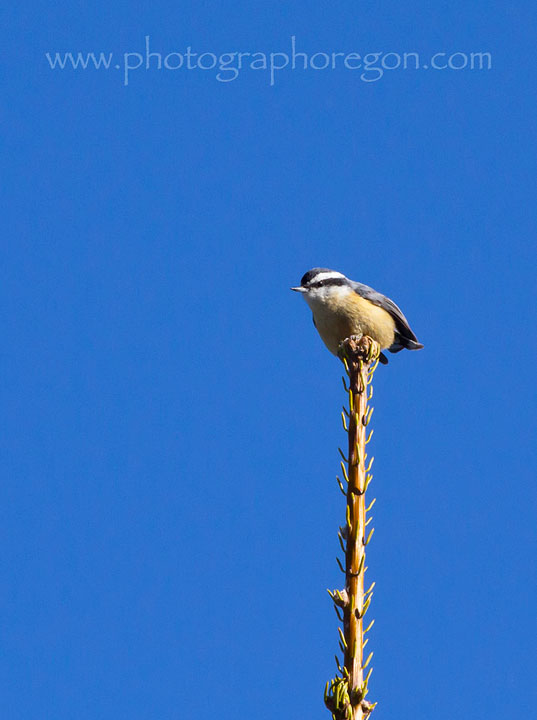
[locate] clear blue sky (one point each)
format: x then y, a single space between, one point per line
170 419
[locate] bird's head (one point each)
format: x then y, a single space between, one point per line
321 284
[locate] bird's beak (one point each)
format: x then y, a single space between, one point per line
299 289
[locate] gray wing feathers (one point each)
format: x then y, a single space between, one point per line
401 323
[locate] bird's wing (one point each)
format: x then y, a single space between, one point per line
401 323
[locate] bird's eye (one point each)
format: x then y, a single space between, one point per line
320 283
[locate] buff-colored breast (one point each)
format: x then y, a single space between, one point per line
339 316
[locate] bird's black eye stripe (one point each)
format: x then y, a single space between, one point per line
333 282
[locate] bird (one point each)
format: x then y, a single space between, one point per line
342 307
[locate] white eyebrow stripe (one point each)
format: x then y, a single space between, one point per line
327 276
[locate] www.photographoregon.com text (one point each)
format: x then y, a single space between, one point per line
370 67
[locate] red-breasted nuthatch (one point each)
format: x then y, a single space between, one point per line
343 307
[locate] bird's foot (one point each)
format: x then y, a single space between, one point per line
347 344
359 349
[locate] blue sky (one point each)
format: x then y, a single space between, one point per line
171 419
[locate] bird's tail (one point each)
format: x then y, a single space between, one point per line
403 342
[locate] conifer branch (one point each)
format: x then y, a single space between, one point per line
345 694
